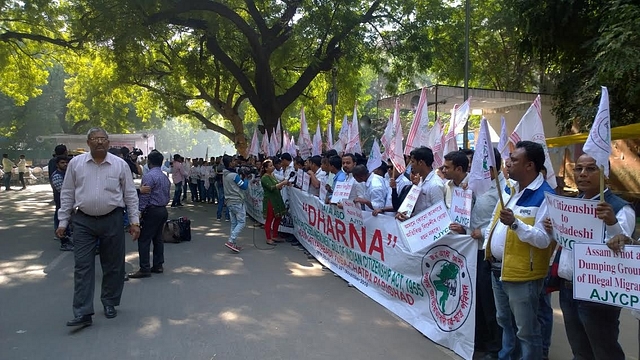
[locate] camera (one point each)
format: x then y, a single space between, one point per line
247 170
136 152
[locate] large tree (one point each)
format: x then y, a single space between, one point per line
268 52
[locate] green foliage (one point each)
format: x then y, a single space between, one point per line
584 45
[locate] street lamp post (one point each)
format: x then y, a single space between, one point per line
467 6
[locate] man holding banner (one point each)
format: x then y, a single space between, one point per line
432 190
519 247
592 328
458 199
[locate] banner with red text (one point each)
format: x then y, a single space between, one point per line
432 289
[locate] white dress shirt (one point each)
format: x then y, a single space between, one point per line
376 191
431 192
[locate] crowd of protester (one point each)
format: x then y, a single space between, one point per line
516 256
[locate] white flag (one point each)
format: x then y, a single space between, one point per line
304 140
292 147
450 144
317 142
353 145
435 141
265 144
329 136
255 147
504 140
343 136
386 137
395 146
530 128
273 148
598 144
419 126
278 137
462 116
375 157
483 158
285 142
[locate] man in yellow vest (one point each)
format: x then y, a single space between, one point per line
519 248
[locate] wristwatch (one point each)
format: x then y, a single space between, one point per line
514 226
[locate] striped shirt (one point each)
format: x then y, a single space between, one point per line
97 189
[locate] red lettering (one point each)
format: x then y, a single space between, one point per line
376 244
340 232
361 239
312 215
329 230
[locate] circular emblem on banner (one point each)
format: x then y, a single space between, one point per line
446 278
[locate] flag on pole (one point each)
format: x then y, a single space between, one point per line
206 154
255 147
273 147
504 139
386 137
304 139
462 116
530 128
265 144
598 144
375 157
354 134
483 158
317 141
395 148
278 137
292 147
343 136
285 142
435 141
450 143
419 126
329 136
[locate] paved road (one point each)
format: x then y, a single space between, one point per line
209 303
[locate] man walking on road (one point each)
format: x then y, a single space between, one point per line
57 179
7 167
179 176
22 168
154 196
234 187
99 185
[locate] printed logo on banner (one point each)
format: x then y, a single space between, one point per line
446 278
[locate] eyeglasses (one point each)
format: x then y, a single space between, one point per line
588 169
99 139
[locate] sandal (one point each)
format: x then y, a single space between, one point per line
270 242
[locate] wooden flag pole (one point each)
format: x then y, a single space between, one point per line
601 183
497 179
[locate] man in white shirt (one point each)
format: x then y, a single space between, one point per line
519 248
187 168
432 190
375 191
455 170
316 174
22 169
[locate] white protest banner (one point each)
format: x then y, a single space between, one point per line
601 276
461 201
352 213
342 191
306 180
323 190
253 205
426 227
433 290
574 220
299 178
409 201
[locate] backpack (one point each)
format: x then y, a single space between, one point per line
177 230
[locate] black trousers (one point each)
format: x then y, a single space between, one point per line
488 336
87 232
153 219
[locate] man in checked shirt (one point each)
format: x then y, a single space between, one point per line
154 196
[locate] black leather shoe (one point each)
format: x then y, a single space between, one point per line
82 320
139 275
157 270
110 312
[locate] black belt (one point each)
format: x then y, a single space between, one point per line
100 216
155 206
567 284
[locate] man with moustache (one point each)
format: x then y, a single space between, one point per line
98 185
592 328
